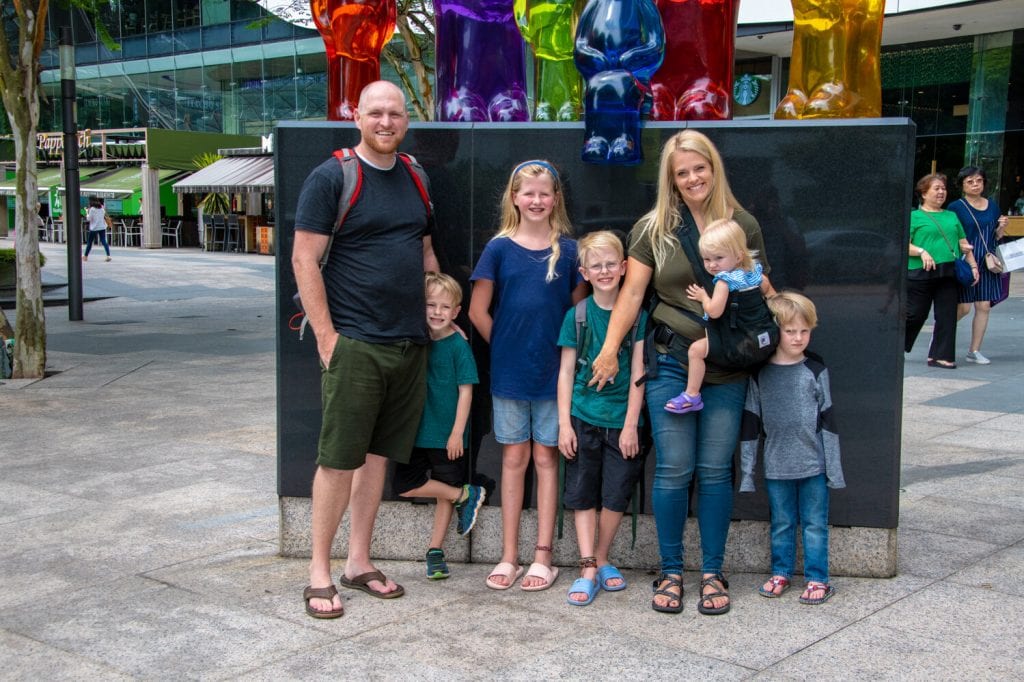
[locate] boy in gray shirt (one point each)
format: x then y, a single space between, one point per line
789 403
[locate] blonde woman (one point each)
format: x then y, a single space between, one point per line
692 189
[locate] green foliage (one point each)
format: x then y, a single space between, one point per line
215 202
9 257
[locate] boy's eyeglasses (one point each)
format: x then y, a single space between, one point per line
611 266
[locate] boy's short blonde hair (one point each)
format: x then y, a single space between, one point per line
602 239
726 236
446 283
786 306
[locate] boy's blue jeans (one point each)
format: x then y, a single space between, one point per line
701 442
803 501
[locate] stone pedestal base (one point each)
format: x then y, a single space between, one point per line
403 530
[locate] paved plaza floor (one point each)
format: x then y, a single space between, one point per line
139 525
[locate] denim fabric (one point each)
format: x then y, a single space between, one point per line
803 501
517 421
701 441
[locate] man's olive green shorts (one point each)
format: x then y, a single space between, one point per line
373 395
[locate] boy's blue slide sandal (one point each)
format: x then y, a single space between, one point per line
608 572
583 586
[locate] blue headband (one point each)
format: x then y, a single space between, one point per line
537 162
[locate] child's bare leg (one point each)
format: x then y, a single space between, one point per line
695 372
586 524
446 495
545 460
514 460
607 527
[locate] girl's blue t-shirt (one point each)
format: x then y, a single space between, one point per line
527 313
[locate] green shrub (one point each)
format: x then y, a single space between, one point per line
8 256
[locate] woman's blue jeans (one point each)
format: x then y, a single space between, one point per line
703 442
803 501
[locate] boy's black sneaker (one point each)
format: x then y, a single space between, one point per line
468 508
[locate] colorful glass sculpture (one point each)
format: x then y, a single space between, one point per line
481 70
834 71
619 46
695 80
549 27
354 32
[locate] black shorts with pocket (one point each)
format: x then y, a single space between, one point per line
425 464
599 473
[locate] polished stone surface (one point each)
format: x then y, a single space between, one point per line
845 252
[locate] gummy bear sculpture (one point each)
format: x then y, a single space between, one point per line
619 45
695 79
549 27
481 70
354 32
834 71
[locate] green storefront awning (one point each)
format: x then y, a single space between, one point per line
49 177
120 183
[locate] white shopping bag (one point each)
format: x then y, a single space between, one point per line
1012 254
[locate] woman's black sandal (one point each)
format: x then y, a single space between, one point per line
673 580
708 598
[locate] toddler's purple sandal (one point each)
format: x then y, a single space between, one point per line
684 403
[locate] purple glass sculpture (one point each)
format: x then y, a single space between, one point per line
619 46
481 71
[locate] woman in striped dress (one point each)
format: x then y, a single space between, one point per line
983 226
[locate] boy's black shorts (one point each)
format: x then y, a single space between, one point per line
427 463
599 472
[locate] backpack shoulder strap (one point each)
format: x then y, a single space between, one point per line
419 177
581 334
352 183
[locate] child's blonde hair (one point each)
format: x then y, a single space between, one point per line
560 225
726 236
786 306
446 283
604 240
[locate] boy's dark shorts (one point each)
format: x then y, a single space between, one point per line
426 464
372 396
599 472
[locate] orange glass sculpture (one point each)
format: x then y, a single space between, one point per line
834 71
354 32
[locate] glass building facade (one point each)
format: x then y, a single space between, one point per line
204 65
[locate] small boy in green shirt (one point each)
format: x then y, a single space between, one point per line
433 469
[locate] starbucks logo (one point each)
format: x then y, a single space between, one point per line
746 89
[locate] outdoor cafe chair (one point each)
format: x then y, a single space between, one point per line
169 232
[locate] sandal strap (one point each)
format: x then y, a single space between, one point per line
710 582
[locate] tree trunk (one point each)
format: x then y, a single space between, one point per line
21 100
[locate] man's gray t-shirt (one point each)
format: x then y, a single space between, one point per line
374 275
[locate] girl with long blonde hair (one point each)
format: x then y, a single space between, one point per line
525 281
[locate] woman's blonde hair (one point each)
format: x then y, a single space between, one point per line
786 306
560 225
446 283
726 236
604 240
659 224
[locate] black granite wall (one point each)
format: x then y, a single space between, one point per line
833 201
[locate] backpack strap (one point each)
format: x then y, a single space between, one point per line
419 177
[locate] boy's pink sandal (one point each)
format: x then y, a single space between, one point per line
776 581
684 403
812 587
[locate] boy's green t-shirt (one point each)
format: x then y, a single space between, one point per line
450 365
606 408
